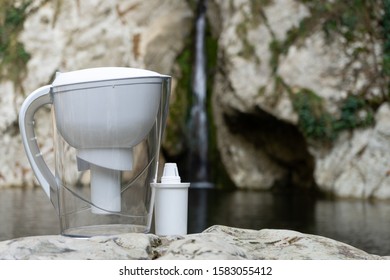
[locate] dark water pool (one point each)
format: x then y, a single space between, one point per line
364 225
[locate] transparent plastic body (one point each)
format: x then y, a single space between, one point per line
106 141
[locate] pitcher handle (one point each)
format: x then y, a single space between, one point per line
30 106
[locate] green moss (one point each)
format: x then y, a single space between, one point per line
355 112
352 19
218 174
251 20
13 56
175 145
386 37
257 7
314 122
293 36
248 50
356 21
179 106
276 50
317 124
179 110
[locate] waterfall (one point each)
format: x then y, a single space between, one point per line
198 125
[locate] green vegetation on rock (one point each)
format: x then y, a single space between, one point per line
253 19
219 176
357 22
318 124
355 113
386 39
174 142
13 56
313 121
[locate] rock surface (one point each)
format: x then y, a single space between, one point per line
358 165
267 60
253 152
217 242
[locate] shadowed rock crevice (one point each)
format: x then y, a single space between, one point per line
282 143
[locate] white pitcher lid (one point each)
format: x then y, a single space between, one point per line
101 74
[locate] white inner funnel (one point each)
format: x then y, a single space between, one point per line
105 166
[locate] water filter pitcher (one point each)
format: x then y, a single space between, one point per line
107 124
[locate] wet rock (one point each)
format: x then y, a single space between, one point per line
217 242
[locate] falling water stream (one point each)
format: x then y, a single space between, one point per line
198 124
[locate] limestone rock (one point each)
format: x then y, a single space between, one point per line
358 164
220 242
254 134
266 57
217 242
129 246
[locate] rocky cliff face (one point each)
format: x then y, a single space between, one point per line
300 95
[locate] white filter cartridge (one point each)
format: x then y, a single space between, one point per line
105 190
171 203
